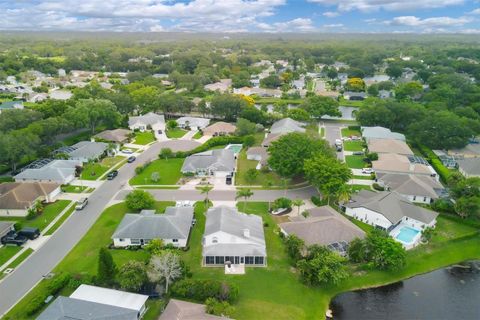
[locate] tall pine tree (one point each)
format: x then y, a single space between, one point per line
106 268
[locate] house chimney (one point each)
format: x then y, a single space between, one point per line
246 233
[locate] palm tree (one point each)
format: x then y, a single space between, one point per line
298 203
244 193
205 190
344 193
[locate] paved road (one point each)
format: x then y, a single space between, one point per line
333 132
225 195
42 261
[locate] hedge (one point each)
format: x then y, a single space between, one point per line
201 290
436 163
54 286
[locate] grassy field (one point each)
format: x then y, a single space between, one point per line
353 145
94 170
263 178
349 103
175 133
143 138
60 221
169 171
358 187
370 177
73 189
348 132
7 252
355 162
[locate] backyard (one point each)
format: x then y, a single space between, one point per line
269 178
168 171
175 133
94 170
355 162
143 138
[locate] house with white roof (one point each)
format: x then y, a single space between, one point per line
194 123
233 237
59 171
217 162
84 151
144 122
222 86
380 133
172 227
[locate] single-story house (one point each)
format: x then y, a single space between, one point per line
59 171
90 302
60 94
219 129
84 151
389 211
222 86
281 127
416 188
231 236
145 122
172 227
323 226
469 167
194 123
471 150
10 105
259 154
380 133
354 96
401 164
262 92
217 162
116 135
375 79
389 146
183 310
6 227
17 197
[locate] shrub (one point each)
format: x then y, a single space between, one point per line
139 199
201 290
214 142
372 156
219 308
282 203
316 201
378 187
31 214
139 169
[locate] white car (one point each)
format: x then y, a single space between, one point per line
367 170
81 203
127 151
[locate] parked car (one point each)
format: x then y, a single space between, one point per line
82 203
339 148
338 142
30 233
355 138
159 131
367 170
13 238
127 151
112 174
358 153
131 159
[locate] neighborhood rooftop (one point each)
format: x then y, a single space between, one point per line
217 159
17 195
409 184
389 146
381 133
146 119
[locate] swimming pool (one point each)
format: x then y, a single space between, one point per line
407 235
235 148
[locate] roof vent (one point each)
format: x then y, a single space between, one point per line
246 233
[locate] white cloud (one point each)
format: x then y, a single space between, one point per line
412 21
331 14
476 11
295 25
333 25
390 5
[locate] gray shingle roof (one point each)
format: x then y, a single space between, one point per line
64 308
230 221
471 166
147 119
87 149
381 133
194 121
287 125
183 310
216 160
56 170
392 206
175 223
409 184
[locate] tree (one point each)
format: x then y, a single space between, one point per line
298 114
227 106
106 269
145 97
327 174
172 124
17 119
154 246
373 90
298 203
139 199
250 175
132 276
166 153
394 71
322 266
467 206
272 81
92 112
245 127
355 84
409 90
17 145
248 141
294 247
244 193
319 106
165 267
205 190
155 176
254 115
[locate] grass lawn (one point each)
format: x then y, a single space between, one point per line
94 170
322 132
50 212
262 179
7 252
60 221
353 145
348 103
268 100
73 189
5 179
371 177
355 162
358 187
312 130
143 138
175 133
348 132
198 135
20 258
169 171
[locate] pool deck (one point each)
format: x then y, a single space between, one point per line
407 245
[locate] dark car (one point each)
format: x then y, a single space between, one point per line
131 159
30 233
13 238
338 148
159 131
112 174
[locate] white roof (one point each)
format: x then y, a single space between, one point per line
110 297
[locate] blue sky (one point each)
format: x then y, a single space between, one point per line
272 16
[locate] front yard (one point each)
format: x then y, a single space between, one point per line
175 133
143 138
263 178
355 162
352 145
168 171
94 170
346 132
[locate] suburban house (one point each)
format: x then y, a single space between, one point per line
10 105
222 86
217 162
17 197
59 171
416 188
172 227
391 212
183 310
219 129
401 164
469 167
60 94
194 123
385 94
84 151
259 154
119 136
262 92
354 96
389 146
325 227
91 303
380 133
282 127
147 121
471 150
233 237
6 227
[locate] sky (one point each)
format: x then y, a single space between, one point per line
230 16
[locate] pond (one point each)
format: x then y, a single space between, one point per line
451 293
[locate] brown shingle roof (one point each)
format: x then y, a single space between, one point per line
116 135
389 146
21 195
183 310
219 127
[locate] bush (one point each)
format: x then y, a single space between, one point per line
54 286
372 156
219 308
201 290
139 199
316 201
378 187
282 203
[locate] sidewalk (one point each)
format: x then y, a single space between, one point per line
189 135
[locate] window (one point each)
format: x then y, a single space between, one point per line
249 260
219 260
259 260
414 198
209 260
174 240
237 260
135 241
424 199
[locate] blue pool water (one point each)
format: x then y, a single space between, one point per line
407 234
234 147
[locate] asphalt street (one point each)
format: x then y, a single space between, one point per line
333 132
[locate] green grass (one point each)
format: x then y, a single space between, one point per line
159 187
175 133
7 252
355 162
60 221
198 135
263 178
371 177
50 212
94 170
6 179
347 103
312 130
348 132
353 145
73 189
322 132
358 187
169 171
267 100
143 138
24 255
